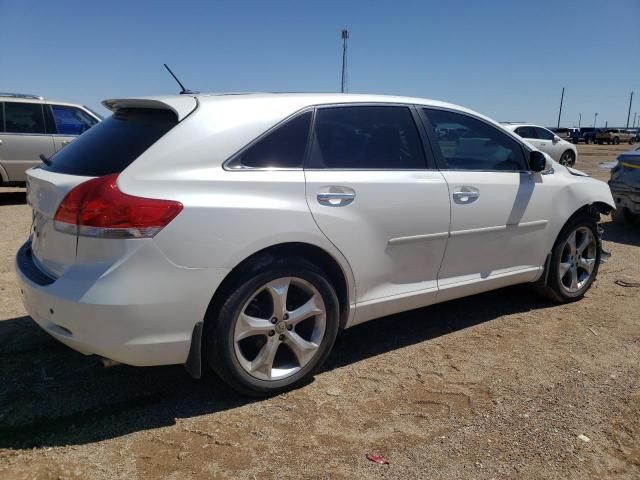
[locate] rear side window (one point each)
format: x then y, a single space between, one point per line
364 137
526 132
283 147
113 144
467 143
1 117
23 117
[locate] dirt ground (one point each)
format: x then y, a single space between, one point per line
500 385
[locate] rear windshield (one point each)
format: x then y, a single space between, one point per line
113 144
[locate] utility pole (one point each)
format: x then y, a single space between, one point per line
579 119
345 37
629 114
595 119
560 112
634 119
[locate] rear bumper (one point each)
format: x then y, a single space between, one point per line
140 310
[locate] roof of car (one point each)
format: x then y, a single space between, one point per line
184 104
21 98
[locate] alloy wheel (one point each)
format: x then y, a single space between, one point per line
578 260
566 159
280 328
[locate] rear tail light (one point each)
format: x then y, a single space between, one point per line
96 208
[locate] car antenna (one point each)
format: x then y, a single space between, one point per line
184 91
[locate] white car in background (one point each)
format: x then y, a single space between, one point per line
248 230
563 152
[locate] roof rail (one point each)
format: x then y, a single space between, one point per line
21 95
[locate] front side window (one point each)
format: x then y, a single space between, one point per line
467 143
1 117
366 137
543 133
23 118
71 120
284 147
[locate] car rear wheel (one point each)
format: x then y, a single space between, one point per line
568 159
616 141
575 259
274 330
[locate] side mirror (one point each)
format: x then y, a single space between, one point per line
537 161
556 139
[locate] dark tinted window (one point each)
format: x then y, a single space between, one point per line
366 138
526 132
543 133
282 148
23 117
1 117
71 120
112 145
467 143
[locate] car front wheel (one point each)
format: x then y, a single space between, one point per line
568 159
275 329
575 259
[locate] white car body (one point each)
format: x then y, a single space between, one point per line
546 141
405 239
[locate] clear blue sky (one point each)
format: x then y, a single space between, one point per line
507 59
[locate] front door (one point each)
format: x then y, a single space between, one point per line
499 209
372 194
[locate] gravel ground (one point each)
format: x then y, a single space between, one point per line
499 385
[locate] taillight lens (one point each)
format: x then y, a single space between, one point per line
96 208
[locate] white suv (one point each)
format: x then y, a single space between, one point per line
562 151
248 230
31 126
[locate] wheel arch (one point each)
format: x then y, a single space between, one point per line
340 278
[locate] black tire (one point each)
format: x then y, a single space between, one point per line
616 141
220 323
554 289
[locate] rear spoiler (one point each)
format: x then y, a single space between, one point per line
181 106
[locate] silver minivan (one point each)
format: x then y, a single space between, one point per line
31 126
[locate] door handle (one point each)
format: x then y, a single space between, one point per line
66 142
336 199
466 195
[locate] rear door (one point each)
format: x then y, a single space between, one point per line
23 137
70 122
499 209
376 195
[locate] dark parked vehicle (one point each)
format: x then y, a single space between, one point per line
584 134
625 187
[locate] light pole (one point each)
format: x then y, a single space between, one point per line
579 119
634 119
345 36
560 111
595 119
